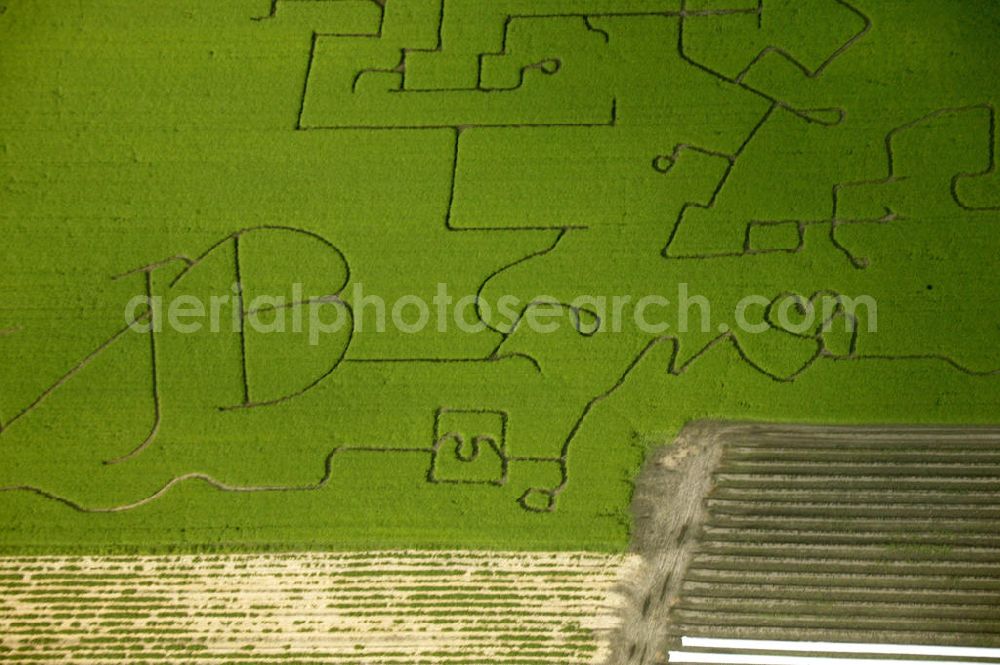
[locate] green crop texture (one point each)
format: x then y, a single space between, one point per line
544 161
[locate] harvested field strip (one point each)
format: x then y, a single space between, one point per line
723 534
888 524
847 535
386 607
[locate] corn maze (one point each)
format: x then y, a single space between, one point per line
295 288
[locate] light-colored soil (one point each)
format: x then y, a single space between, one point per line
360 608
